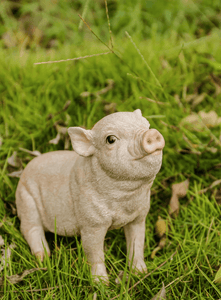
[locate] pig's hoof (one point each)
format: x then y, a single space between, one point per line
103 279
99 273
40 255
140 267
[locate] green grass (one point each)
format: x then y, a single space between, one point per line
180 44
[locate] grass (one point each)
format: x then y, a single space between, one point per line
180 47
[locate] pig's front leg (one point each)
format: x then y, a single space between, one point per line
135 236
93 244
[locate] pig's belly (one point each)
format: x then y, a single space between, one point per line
56 206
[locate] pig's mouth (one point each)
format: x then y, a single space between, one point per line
155 153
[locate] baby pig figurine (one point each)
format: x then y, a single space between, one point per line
102 185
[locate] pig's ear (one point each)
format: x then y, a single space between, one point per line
81 140
138 112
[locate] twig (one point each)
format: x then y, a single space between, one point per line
141 55
106 45
154 101
147 275
108 21
42 289
83 14
215 183
69 59
95 34
179 278
31 290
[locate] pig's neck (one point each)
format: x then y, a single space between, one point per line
116 188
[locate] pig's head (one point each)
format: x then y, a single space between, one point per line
122 144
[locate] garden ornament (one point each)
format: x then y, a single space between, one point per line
102 185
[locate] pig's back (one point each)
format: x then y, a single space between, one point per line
51 163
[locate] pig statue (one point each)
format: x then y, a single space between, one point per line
103 184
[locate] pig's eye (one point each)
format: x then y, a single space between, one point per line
111 139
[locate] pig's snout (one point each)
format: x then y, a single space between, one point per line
152 141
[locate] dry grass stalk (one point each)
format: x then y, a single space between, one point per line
108 21
69 59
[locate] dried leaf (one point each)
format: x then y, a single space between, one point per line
160 246
218 276
13 208
5 256
110 108
34 153
85 94
110 84
198 121
61 129
212 149
119 279
177 98
154 101
1 241
14 161
198 99
9 39
215 183
16 174
179 190
19 277
65 107
67 104
165 64
56 140
1 141
210 119
66 142
190 97
161 295
160 227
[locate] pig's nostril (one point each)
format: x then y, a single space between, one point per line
152 141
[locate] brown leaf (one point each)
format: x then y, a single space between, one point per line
66 142
161 295
14 161
161 245
5 256
179 190
198 99
110 108
34 153
215 183
198 121
217 83
1 141
1 241
9 39
16 173
61 129
56 140
19 277
190 97
119 278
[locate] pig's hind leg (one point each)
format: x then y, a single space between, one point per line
31 225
